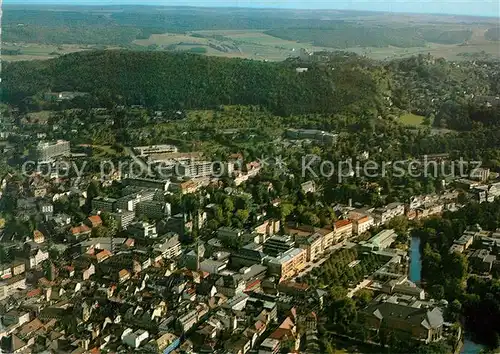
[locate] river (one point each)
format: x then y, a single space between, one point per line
415 262
469 346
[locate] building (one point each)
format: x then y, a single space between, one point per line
170 248
278 244
36 258
343 229
11 285
164 344
93 221
130 202
134 339
482 261
466 184
153 209
360 222
270 346
187 321
155 149
268 228
464 242
311 134
312 244
480 174
288 264
196 169
142 230
103 204
384 215
48 151
424 324
123 217
151 183
380 241
18 267
248 255
229 233
308 187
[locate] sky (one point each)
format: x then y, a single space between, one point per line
458 7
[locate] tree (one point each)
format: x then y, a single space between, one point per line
228 205
101 232
242 215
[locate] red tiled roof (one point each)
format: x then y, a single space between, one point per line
342 223
34 292
95 220
103 255
80 229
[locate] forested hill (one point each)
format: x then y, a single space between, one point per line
181 80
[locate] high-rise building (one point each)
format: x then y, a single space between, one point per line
48 151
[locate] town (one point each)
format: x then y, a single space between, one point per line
187 264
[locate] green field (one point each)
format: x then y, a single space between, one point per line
411 119
252 35
34 51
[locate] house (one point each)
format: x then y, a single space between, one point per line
103 255
13 344
123 275
392 210
360 222
93 221
36 258
423 324
287 335
18 267
308 187
79 232
170 248
166 343
134 339
482 261
38 237
270 346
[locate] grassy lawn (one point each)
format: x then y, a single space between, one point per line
411 119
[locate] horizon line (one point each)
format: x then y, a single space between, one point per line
28 3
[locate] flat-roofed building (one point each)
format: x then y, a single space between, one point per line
196 169
381 240
278 244
312 244
155 149
48 151
390 211
288 264
103 204
130 202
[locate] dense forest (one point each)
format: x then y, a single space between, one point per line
123 25
439 90
345 35
183 81
447 275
